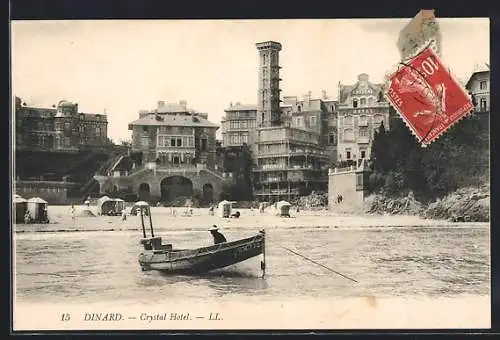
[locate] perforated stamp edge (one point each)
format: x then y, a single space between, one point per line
431 43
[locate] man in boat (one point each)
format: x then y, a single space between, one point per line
218 237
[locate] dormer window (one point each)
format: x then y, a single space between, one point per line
355 103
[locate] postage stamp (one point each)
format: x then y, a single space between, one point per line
427 96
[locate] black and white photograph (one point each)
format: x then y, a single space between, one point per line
251 174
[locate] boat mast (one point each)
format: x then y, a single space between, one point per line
263 262
142 222
151 222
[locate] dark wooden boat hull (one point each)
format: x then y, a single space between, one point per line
202 260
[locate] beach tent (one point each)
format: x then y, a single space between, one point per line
225 208
20 208
100 204
283 208
119 205
136 208
110 206
37 208
86 213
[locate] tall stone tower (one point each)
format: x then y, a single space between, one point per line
268 101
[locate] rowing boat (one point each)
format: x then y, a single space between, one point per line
163 257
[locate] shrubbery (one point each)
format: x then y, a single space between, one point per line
460 158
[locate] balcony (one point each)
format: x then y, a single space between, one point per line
364 140
277 192
279 167
315 153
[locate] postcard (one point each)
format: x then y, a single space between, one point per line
251 174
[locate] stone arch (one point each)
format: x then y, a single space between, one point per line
144 192
208 193
173 187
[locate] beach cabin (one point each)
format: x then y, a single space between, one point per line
283 208
110 206
225 208
38 210
20 208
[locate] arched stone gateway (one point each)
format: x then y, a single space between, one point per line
176 186
208 193
144 192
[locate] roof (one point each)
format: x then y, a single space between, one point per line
346 89
37 200
19 199
173 120
242 107
474 75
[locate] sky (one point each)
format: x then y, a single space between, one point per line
121 67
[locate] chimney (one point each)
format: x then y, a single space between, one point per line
231 104
161 104
183 104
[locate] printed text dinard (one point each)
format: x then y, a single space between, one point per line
145 317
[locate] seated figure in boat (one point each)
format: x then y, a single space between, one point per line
218 237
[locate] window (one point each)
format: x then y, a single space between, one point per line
244 138
348 134
483 85
81 128
377 120
98 131
172 141
145 129
145 142
355 103
204 144
363 132
243 124
348 154
190 142
299 109
313 120
348 120
362 102
363 120
482 104
331 139
359 181
363 154
264 58
67 141
234 124
67 125
370 100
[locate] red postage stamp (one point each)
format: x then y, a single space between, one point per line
427 96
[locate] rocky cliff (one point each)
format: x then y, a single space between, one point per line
471 204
